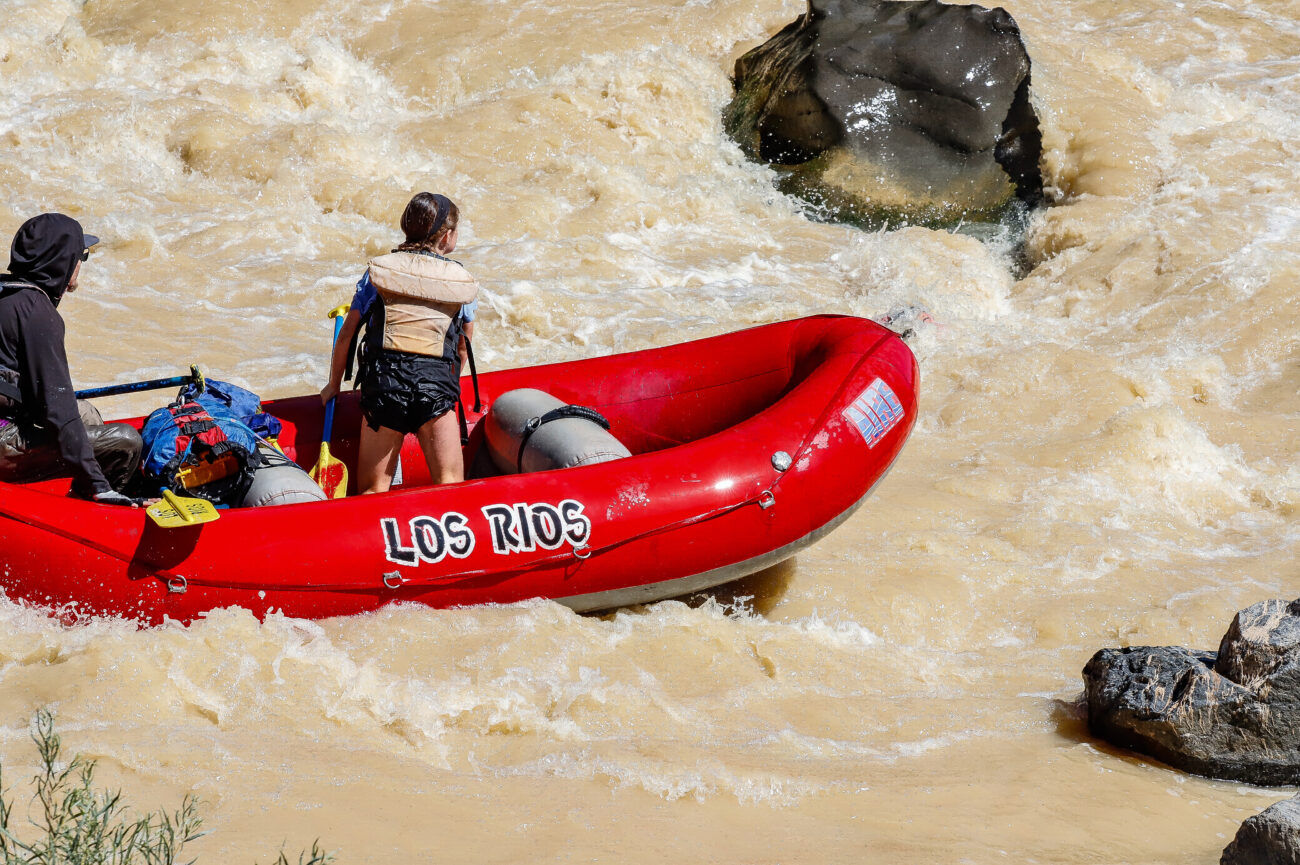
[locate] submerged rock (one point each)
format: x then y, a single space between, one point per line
1234 714
1271 837
884 110
907 320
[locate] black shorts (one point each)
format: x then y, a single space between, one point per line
404 391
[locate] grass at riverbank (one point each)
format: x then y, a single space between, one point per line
70 822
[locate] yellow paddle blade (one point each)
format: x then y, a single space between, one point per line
330 473
175 511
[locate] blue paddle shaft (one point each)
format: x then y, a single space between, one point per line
133 387
329 406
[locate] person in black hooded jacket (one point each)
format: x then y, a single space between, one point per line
44 431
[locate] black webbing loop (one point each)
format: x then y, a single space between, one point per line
534 423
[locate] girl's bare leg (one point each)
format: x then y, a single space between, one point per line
377 460
440 441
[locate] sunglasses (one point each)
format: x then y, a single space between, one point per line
85 253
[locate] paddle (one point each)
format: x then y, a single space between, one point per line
175 511
331 473
195 377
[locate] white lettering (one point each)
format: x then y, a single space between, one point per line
514 528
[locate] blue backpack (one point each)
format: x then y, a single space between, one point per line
203 449
243 404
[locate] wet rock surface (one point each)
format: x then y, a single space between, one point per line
1232 714
1271 837
879 109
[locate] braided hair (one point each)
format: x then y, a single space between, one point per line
427 219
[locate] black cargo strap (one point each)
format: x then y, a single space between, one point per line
565 411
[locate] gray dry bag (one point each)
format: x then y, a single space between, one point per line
529 430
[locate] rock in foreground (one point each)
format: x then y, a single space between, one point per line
894 110
1271 837
1234 714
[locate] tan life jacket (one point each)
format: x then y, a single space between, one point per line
422 295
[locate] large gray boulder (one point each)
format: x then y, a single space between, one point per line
1271 837
883 110
1234 714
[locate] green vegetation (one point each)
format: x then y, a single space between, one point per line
75 824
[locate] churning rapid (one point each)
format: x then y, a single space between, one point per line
1106 452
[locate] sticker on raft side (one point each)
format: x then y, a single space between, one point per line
515 528
875 412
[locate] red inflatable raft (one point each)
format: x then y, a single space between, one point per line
746 448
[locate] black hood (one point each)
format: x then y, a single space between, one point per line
45 251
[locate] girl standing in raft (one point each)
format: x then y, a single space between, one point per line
418 310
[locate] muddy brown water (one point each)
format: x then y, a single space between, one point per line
1106 453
